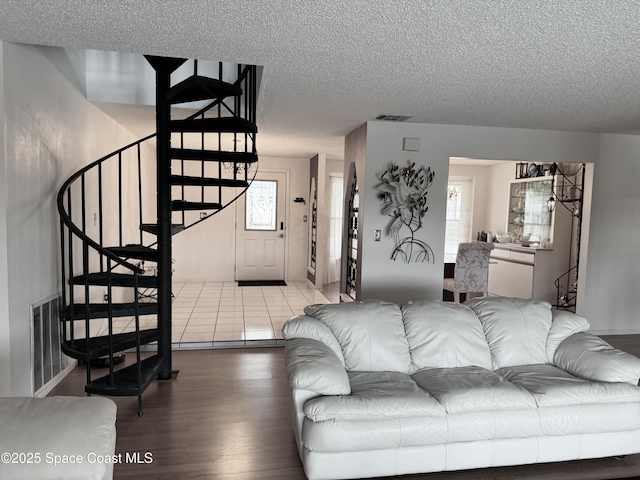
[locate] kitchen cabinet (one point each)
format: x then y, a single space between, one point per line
524 272
523 269
511 273
528 211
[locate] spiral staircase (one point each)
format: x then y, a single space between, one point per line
118 216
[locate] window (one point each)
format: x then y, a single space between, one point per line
260 211
458 226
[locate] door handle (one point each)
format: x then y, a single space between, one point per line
281 235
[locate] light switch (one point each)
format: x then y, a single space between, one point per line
304 219
376 236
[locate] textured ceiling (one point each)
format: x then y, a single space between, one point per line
330 66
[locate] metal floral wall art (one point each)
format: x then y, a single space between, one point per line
402 192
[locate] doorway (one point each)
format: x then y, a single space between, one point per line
260 229
493 211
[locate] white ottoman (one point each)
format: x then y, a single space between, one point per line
65 438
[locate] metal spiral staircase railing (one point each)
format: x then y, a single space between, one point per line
568 191
118 214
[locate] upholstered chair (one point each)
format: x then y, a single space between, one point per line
471 273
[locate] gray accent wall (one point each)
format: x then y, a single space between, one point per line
5 324
610 276
613 266
382 277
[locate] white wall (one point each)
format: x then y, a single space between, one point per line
50 132
206 252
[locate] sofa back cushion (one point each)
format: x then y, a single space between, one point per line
370 333
444 335
516 329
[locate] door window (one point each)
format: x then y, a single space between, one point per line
260 213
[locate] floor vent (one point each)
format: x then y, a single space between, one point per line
47 360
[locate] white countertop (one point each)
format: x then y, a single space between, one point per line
518 247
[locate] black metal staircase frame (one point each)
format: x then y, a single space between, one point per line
111 252
566 291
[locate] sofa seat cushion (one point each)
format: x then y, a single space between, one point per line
375 395
444 335
370 333
469 389
516 329
359 435
551 386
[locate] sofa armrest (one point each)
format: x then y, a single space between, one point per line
588 356
312 365
302 326
563 325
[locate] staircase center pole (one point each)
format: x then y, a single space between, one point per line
163 116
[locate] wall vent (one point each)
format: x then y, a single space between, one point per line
47 360
394 118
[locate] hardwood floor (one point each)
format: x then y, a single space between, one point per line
227 417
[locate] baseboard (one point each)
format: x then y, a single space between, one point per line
345 298
632 331
45 390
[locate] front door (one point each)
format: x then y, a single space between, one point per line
260 229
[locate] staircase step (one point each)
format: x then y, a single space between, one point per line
100 345
152 228
101 310
207 182
125 380
139 252
213 155
179 205
197 88
117 280
214 125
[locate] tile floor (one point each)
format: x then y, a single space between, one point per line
221 314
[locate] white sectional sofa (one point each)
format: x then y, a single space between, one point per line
384 389
57 438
